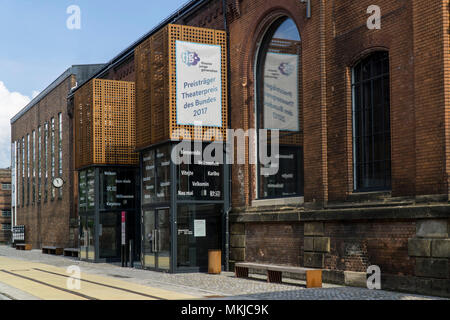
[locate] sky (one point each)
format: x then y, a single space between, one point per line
36 46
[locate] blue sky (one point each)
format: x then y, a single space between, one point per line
36 46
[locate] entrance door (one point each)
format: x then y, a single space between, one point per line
156 239
86 237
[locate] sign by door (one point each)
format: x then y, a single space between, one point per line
199 228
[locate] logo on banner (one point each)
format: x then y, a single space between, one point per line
190 58
286 68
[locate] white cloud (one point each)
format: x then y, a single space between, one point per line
34 94
10 104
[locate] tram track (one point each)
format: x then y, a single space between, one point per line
54 275
49 285
103 285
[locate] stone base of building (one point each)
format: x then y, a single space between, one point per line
408 241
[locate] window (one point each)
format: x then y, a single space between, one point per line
278 75
23 171
371 123
46 161
17 172
6 186
33 149
39 163
6 227
52 142
60 151
6 213
28 169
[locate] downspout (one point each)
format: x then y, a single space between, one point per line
323 101
228 201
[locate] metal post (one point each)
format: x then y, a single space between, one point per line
131 253
123 239
122 255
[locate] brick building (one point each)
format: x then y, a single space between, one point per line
42 149
5 205
364 154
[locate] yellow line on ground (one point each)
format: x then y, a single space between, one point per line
89 289
38 290
28 269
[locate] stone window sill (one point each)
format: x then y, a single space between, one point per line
278 202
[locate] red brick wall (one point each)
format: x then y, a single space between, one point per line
355 246
274 243
333 40
47 222
122 72
350 42
5 204
430 89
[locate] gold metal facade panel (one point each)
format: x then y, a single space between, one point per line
105 123
83 126
155 60
152 94
204 36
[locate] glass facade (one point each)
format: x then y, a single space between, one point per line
185 221
104 194
156 175
199 229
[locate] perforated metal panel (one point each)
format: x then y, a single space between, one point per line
105 123
155 61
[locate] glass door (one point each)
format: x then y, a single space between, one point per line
156 239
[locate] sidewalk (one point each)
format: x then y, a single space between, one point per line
206 286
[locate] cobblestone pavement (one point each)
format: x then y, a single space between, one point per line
225 286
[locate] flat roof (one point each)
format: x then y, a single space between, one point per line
81 72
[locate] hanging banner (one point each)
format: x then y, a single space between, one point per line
199 84
281 92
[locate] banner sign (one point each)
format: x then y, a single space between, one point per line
281 92
199 84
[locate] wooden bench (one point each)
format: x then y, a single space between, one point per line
274 272
53 250
23 246
71 252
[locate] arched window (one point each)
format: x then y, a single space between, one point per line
278 74
371 123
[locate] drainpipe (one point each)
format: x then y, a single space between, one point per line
323 100
227 201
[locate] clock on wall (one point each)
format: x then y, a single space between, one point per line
58 182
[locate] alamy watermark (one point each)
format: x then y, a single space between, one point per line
73 22
374 20
229 151
74 279
374 278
